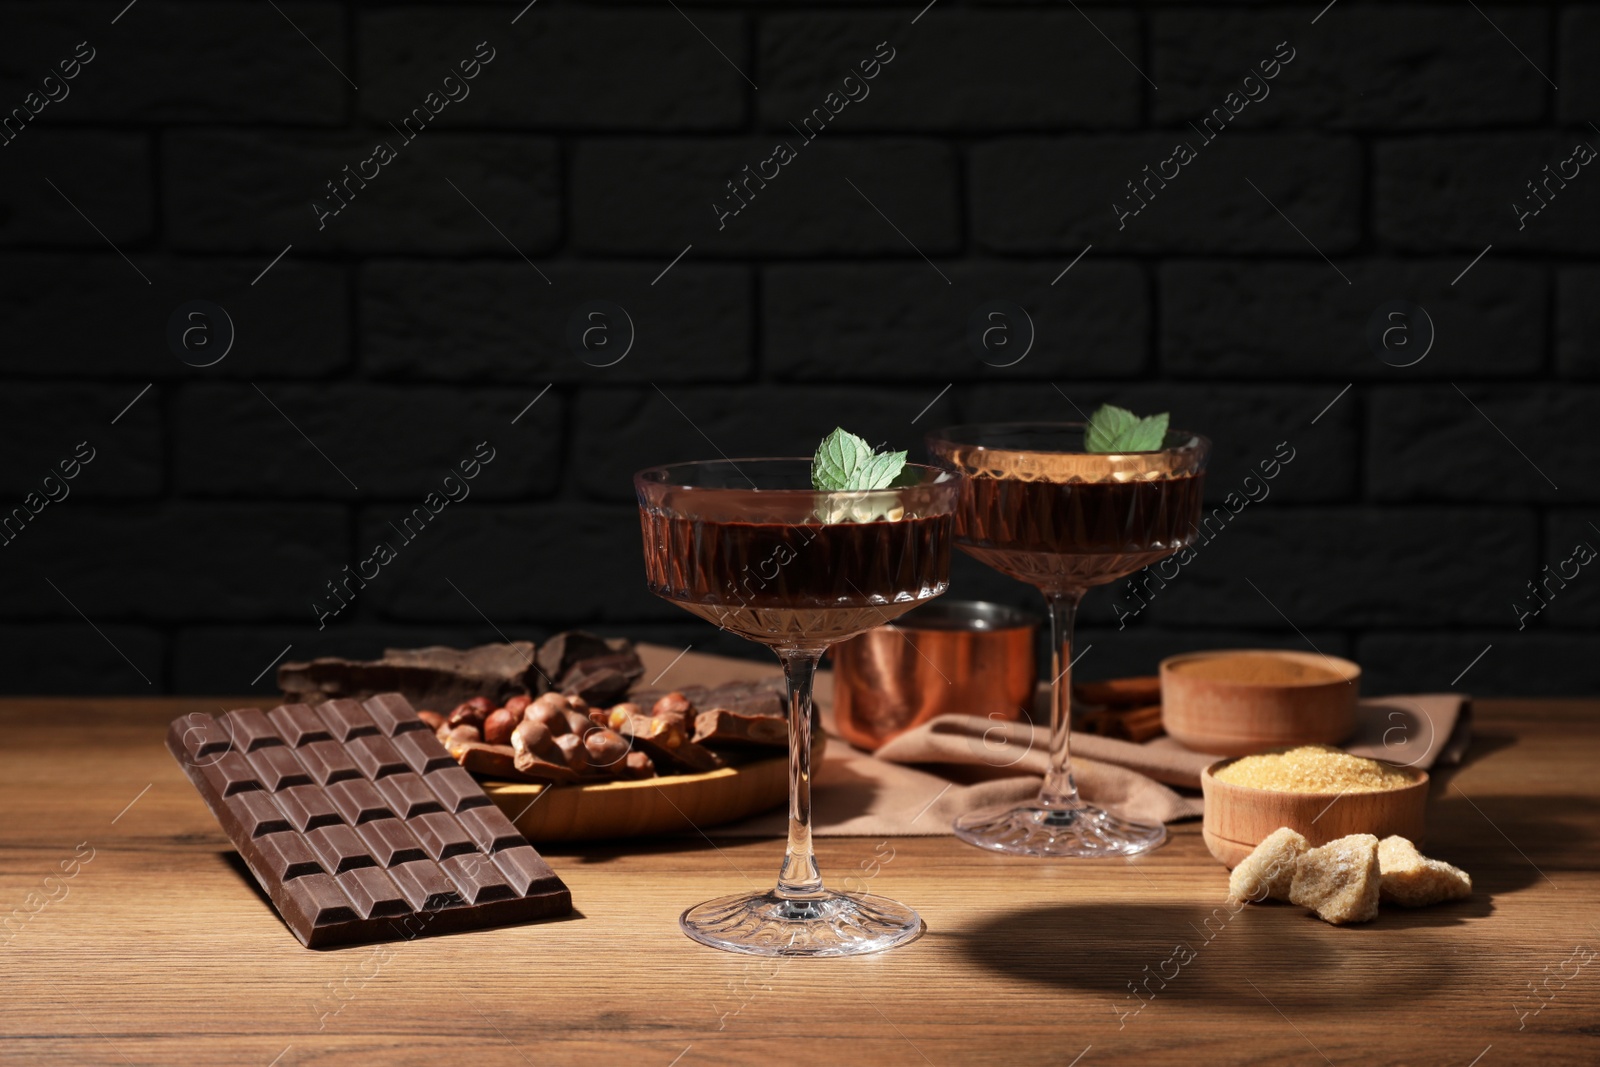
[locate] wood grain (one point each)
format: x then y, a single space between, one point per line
158 950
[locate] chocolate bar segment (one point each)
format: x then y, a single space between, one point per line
201 738
307 807
408 795
277 768
358 801
422 752
328 762
250 729
348 839
393 715
229 773
375 756
299 725
346 719
456 789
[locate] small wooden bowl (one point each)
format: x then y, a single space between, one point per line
1238 817
1230 717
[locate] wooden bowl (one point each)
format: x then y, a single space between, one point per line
1238 817
668 804
1207 710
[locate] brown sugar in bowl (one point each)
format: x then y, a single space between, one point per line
1238 817
1233 702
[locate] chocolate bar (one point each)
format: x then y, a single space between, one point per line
359 825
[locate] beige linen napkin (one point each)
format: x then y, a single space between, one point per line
970 762
980 762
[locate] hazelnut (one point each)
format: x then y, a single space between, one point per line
606 748
577 703
572 752
673 703
483 704
579 722
552 718
465 732
638 765
533 737
469 713
432 718
621 713
498 726
518 704
548 700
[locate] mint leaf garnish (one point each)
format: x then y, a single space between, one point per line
1114 429
845 463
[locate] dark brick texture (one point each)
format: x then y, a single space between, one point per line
283 269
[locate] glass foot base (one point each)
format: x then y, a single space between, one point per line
764 924
1085 832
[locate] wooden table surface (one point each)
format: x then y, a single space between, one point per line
155 949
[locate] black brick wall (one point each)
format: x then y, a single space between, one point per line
374 349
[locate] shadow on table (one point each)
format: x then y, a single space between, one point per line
1143 952
1509 842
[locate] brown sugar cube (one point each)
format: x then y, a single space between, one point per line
1413 880
1268 872
1340 880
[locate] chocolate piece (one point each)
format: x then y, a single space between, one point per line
346 719
373 893
201 738
408 795
256 814
389 854
490 829
375 756
525 868
339 848
442 836
393 715
357 801
422 752
598 686
299 724
229 773
457 790
492 761
426 887
665 743
250 730
768 697
276 768
532 767
560 652
479 880
328 762
719 726
307 807
390 843
436 678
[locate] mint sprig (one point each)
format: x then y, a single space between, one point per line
1114 429
846 463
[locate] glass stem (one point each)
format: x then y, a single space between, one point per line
799 879
1059 790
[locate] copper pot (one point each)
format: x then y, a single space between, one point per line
947 657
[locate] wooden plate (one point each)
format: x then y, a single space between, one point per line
663 805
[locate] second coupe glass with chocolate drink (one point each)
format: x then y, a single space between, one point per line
1063 507
797 554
